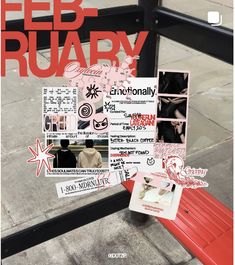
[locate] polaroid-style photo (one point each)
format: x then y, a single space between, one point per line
173 82
155 201
172 107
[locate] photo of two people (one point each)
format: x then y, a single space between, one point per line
80 154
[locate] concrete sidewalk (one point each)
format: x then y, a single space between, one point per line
27 200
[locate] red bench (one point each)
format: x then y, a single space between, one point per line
203 225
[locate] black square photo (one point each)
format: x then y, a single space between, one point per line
173 83
171 132
172 107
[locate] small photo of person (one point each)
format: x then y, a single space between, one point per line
88 153
173 83
171 107
89 157
64 157
171 131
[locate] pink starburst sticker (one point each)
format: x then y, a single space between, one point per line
40 156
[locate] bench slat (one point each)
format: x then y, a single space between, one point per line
196 224
220 250
214 230
206 213
203 225
216 209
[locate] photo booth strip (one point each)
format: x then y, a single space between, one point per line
171 127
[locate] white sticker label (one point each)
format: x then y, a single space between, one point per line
86 185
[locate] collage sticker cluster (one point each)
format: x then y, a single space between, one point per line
105 131
145 121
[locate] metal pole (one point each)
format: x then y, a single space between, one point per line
39 233
147 64
194 33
